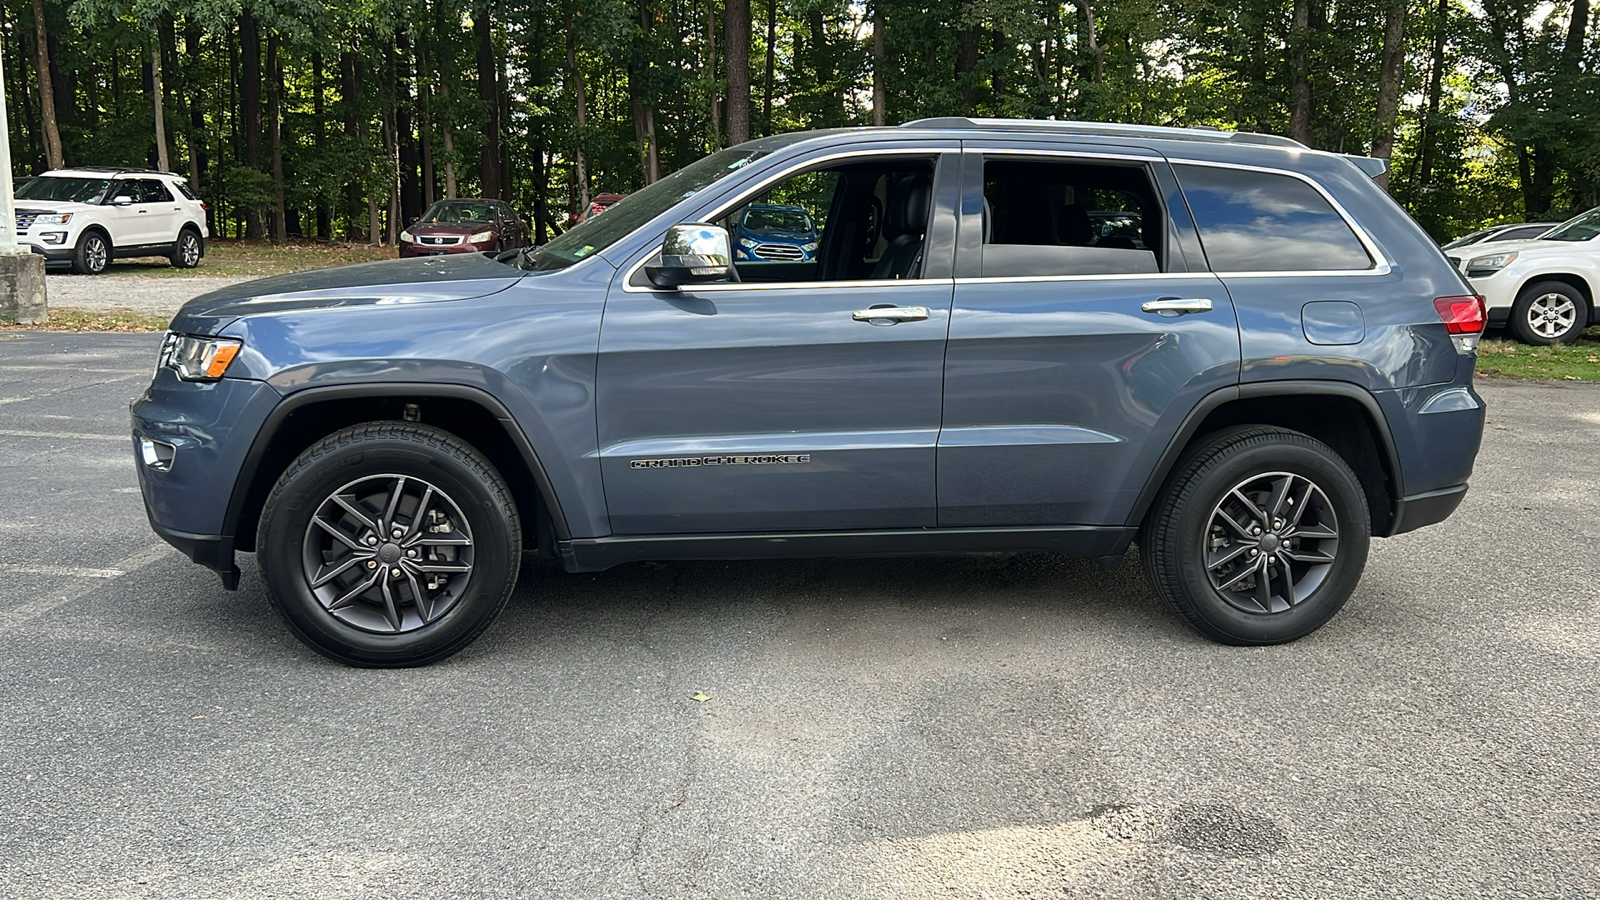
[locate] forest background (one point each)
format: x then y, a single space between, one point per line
346 118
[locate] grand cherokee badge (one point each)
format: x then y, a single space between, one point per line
689 462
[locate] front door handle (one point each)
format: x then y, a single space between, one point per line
1177 306
891 314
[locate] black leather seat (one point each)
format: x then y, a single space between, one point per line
905 223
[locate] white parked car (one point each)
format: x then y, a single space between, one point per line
1542 290
89 216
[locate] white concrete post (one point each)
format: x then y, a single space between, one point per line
8 212
22 297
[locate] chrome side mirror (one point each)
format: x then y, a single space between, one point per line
693 254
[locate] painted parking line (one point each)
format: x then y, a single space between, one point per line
21 615
64 435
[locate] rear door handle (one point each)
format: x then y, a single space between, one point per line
891 314
1177 306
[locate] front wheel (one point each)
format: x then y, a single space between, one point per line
93 254
1260 536
1549 312
389 544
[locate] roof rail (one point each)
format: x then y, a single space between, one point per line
114 170
1109 129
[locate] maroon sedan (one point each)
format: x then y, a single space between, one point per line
463 226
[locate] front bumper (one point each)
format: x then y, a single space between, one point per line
408 250
210 428
62 253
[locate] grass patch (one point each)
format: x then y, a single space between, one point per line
252 259
1578 361
125 321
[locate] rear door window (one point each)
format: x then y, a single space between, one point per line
1049 217
1254 221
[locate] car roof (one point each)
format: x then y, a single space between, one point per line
107 171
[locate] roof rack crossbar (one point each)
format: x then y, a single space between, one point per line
1115 129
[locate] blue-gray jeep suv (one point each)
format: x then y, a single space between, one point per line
1271 365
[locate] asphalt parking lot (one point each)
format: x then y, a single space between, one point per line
983 727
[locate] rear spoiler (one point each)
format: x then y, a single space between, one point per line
1371 165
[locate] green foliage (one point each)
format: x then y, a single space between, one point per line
1511 136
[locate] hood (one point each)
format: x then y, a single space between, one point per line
1490 248
429 279
53 206
759 234
451 227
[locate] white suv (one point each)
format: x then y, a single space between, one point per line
92 215
1543 290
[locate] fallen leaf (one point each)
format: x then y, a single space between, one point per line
699 697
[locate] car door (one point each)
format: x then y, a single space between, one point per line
1084 329
125 215
158 212
780 406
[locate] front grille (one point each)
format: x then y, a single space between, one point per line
434 240
25 218
1454 261
779 251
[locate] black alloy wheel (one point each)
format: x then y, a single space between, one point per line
1259 536
389 544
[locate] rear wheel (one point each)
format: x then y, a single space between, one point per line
1549 312
389 544
93 254
186 253
1260 536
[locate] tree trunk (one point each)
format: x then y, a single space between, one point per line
966 65
350 97
162 162
880 96
644 113
425 81
280 213
772 49
581 118
405 135
1389 83
489 95
1091 42
1300 73
250 100
736 46
1430 112
47 94
1577 26
319 136
711 73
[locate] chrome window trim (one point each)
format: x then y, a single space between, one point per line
953 146
1381 263
724 287
1124 276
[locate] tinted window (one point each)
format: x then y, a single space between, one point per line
1260 222
152 191
183 188
1068 217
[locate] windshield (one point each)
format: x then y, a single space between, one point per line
599 232
790 220
69 190
1463 241
1581 228
457 213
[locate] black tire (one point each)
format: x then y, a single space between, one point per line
187 251
458 554
93 253
1198 514
1549 312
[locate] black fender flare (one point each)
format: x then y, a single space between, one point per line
299 399
1223 396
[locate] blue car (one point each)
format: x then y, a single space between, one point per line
1276 370
768 232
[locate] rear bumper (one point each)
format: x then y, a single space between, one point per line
1422 510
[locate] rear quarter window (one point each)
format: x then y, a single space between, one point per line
1253 221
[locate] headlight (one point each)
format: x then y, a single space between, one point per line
809 248
1488 265
198 358
746 242
481 237
53 219
406 236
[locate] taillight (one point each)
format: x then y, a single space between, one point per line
1462 315
1464 318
